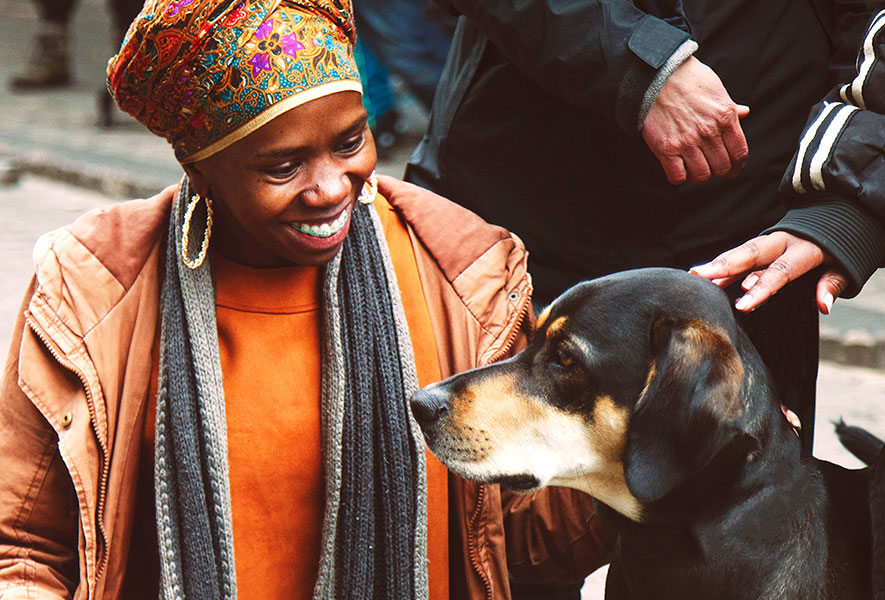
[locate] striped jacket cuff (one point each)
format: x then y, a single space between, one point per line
843 230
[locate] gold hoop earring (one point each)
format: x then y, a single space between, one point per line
185 231
370 189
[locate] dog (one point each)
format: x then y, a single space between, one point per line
640 389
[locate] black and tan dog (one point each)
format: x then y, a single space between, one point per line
640 389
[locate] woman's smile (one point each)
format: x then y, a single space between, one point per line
322 235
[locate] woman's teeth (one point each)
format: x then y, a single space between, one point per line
324 230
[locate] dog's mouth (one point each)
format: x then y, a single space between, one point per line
523 482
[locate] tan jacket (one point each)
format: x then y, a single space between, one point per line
74 389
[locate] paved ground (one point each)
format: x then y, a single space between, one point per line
56 164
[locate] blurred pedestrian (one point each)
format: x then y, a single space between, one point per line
406 40
379 100
49 64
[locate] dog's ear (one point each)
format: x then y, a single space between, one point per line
690 410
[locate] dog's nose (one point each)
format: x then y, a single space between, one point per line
429 405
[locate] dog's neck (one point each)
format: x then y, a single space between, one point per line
704 527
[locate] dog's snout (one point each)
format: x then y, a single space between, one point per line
429 405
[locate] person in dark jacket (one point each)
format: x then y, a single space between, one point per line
574 123
835 193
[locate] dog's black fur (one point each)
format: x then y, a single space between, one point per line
720 504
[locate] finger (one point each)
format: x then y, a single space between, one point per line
717 156
796 260
829 287
792 418
752 254
768 283
724 282
674 167
735 145
696 165
742 110
750 280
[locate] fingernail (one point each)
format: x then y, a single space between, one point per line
750 281
828 302
699 269
742 303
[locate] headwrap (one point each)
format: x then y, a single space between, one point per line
206 73
374 540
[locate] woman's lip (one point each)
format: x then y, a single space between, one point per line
316 241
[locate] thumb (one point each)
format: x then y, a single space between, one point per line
830 285
743 110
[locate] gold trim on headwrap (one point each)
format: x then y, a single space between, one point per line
206 73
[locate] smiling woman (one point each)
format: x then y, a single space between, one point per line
284 193
207 394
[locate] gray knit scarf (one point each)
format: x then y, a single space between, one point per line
374 529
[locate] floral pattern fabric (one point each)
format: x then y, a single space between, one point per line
205 73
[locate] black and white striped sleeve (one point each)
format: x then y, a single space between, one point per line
835 184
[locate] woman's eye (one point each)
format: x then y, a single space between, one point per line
283 171
352 145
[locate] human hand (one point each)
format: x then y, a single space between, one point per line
693 127
770 262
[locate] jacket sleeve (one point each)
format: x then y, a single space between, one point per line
555 534
835 184
606 56
38 507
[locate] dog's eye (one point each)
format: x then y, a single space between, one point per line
561 358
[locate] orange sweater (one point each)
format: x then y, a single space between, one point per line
268 329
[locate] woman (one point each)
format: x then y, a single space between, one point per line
207 392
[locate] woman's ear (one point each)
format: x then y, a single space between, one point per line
198 180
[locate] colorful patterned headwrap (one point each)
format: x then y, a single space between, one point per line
206 73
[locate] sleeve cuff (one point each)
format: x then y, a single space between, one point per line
843 230
677 58
652 44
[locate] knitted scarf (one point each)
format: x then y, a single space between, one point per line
374 530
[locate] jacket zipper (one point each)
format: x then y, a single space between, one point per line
472 541
514 332
90 403
472 538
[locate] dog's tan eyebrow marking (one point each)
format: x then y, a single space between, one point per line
556 326
542 318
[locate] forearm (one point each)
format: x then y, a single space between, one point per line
601 55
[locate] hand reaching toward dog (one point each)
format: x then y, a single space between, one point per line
693 127
769 263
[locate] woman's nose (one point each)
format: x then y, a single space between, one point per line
331 186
